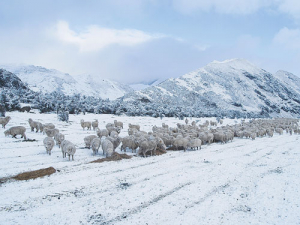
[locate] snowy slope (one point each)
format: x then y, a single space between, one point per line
220 87
289 79
48 80
241 182
144 85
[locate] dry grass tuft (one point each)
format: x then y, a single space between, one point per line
35 174
115 157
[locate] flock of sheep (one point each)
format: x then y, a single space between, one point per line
184 136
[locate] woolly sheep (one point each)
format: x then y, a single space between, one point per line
49 144
114 134
181 142
51 132
113 128
118 124
195 143
95 124
87 125
147 145
5 121
107 147
88 140
219 136
129 142
101 133
14 131
132 131
134 126
59 137
34 125
96 142
68 148
116 141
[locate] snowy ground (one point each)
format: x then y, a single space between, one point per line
243 182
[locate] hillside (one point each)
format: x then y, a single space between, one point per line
49 80
224 88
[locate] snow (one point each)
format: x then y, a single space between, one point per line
244 181
50 80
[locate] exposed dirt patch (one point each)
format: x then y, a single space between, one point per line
115 157
35 174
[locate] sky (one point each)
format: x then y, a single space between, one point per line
133 41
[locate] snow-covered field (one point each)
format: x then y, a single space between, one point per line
241 182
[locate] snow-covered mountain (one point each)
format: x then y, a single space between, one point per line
48 80
144 85
289 79
224 87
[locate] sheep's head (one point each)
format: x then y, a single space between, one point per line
8 118
81 121
29 120
6 133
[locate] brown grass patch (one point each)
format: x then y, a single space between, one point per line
34 174
115 157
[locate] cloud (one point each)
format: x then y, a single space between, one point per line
220 6
95 38
291 7
289 38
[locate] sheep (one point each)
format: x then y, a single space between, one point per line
113 128
129 142
132 131
33 125
96 142
14 131
101 133
51 132
59 137
49 144
116 141
279 131
195 143
219 136
118 124
107 147
147 145
49 125
88 140
69 148
181 142
114 134
5 121
87 125
95 124
134 126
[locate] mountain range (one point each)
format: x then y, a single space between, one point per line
218 88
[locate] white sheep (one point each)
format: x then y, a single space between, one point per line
59 137
181 142
87 125
14 131
5 121
46 126
102 132
115 140
134 126
118 124
146 146
88 140
96 142
95 124
195 143
69 148
129 142
107 147
51 132
33 125
49 144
